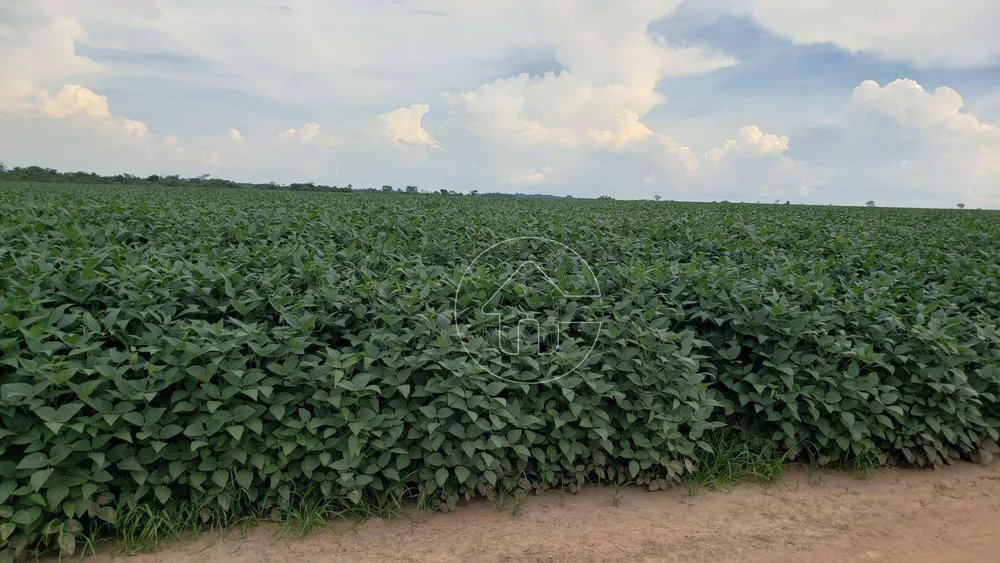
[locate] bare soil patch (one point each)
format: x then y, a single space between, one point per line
944 515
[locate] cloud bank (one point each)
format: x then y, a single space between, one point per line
564 97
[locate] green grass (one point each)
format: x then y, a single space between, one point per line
865 464
815 474
144 528
509 500
736 457
616 495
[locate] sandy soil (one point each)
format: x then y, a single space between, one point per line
948 515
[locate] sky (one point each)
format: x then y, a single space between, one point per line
810 101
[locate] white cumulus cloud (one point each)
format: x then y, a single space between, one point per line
135 128
309 134
939 148
73 99
405 126
528 177
751 141
38 52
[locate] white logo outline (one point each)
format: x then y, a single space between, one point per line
598 296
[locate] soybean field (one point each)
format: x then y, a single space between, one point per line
200 356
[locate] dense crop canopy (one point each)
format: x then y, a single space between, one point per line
228 349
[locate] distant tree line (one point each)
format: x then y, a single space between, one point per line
40 174
520 195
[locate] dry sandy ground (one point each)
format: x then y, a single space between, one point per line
948 515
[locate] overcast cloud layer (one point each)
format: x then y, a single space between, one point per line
759 100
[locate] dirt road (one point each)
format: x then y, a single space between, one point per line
952 514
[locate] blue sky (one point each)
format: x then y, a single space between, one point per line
756 100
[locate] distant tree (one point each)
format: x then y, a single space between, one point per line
3 168
411 189
656 197
387 189
870 203
443 191
787 202
961 206
474 193
605 197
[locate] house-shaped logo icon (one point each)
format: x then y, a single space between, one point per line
542 317
523 327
